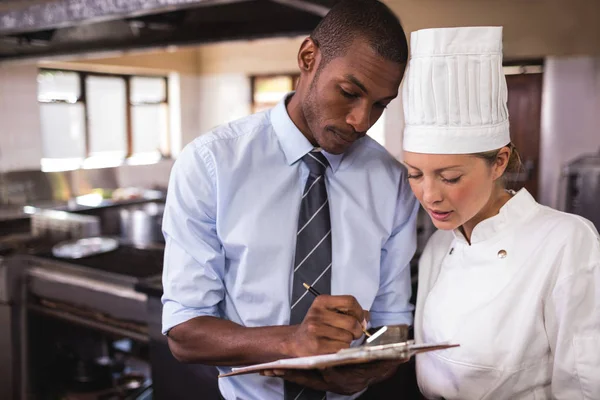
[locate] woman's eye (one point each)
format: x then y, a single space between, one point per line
453 180
414 176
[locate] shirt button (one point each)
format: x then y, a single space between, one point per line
502 254
452 250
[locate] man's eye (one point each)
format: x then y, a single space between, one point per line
348 94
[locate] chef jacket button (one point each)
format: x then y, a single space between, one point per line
502 254
452 250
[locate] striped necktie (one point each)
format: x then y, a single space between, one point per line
312 261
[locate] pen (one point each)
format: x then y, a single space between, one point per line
315 293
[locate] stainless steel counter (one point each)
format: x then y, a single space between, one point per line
11 323
97 293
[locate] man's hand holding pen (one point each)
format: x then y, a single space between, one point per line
330 325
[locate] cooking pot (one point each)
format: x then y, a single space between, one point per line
141 225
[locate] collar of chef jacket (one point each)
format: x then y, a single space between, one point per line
520 207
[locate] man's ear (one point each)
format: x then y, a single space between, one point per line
308 56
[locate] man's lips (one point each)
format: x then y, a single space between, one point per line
348 138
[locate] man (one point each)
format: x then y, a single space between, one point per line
296 194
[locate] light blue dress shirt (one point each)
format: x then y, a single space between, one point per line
230 226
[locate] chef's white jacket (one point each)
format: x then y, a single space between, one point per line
523 302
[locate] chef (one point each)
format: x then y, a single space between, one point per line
515 283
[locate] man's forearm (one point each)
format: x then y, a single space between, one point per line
214 341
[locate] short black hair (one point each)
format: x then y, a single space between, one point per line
370 20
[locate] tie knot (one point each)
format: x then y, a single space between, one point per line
316 162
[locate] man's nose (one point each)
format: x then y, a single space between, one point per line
359 118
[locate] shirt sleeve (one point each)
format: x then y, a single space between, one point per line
194 259
392 304
573 326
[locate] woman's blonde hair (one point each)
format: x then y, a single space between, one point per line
514 165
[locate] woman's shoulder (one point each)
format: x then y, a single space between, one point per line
574 240
568 227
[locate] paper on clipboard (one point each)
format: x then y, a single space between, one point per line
355 355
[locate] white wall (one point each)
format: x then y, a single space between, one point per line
20 144
570 118
221 98
188 104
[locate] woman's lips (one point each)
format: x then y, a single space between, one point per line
440 215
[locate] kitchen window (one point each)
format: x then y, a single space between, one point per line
267 90
94 120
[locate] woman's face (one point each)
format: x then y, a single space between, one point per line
454 189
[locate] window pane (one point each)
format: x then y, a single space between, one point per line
271 89
149 128
148 90
107 116
63 130
58 85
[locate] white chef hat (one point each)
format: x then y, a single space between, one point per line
454 93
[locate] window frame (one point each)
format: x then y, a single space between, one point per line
295 76
129 104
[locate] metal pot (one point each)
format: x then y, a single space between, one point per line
142 225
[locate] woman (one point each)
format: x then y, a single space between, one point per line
515 283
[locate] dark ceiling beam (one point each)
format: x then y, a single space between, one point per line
236 21
306 5
63 13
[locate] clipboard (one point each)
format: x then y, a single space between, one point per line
354 355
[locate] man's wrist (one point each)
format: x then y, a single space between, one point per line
285 345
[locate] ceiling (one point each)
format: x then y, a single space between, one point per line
39 28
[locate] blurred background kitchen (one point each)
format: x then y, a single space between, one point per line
97 98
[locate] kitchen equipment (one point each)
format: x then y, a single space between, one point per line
87 298
92 375
131 381
62 225
10 329
581 188
86 247
141 225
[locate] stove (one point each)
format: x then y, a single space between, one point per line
99 291
125 260
96 293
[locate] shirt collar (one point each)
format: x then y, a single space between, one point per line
294 144
519 208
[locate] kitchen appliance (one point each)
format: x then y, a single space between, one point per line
85 247
581 187
10 330
141 225
90 300
62 225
